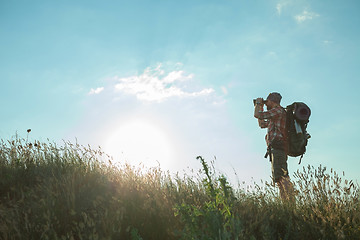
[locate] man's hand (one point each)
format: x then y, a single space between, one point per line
259 106
260 101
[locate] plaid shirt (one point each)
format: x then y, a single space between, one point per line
275 121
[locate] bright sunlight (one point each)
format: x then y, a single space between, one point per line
140 141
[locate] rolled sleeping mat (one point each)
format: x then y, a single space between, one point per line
302 112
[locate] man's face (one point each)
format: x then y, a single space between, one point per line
269 104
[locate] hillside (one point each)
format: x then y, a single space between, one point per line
75 192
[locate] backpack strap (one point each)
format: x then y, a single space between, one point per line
268 153
301 158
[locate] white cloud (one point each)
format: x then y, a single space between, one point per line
224 90
96 91
326 42
157 85
176 76
305 15
271 54
280 6
293 8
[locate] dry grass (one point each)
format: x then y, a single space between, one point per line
75 192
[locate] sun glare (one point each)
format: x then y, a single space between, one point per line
140 141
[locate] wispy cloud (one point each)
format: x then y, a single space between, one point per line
96 91
280 6
327 42
157 85
224 90
290 8
306 15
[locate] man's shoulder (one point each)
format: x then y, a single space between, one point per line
278 109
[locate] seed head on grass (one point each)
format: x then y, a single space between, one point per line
58 192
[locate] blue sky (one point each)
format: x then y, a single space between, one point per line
161 82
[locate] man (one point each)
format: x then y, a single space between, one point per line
274 119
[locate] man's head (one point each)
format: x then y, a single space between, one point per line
273 100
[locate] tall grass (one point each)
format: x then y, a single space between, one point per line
70 191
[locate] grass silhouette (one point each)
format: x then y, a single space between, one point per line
71 191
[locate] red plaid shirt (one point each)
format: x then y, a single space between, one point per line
275 121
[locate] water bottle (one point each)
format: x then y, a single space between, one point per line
297 127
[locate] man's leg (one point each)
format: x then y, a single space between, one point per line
280 174
286 189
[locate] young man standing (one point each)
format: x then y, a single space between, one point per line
274 119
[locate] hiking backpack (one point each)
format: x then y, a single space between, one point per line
297 119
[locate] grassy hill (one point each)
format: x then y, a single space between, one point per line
75 192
